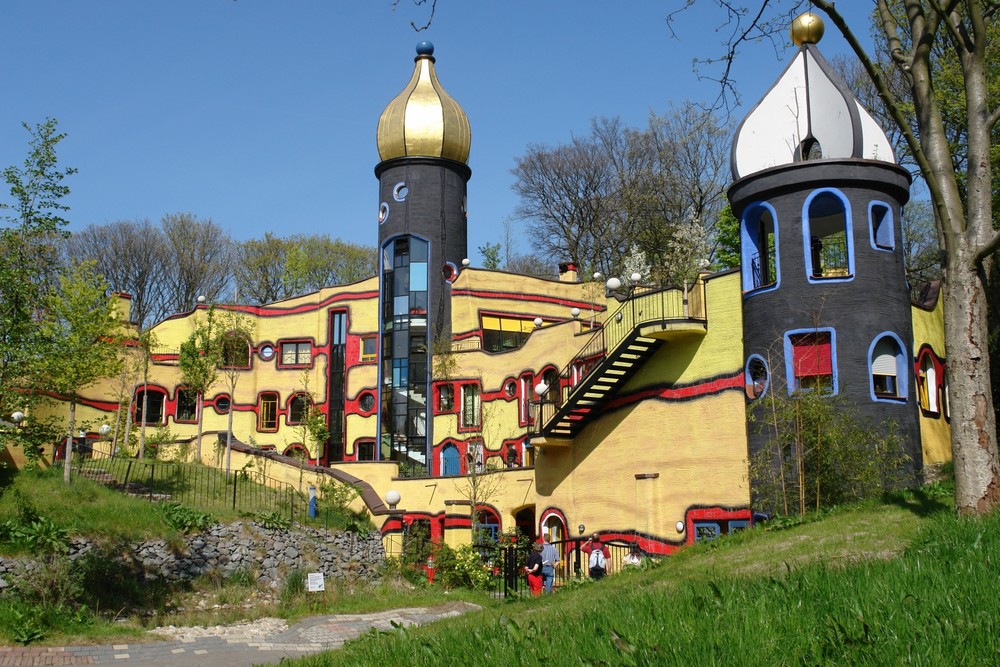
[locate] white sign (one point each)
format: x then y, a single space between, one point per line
314 582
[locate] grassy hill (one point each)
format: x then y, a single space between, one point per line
893 583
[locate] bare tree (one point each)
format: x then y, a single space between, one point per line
131 255
200 257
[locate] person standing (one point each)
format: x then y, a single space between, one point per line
597 556
550 558
534 570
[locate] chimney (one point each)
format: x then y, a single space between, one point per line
568 273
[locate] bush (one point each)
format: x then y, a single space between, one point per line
185 519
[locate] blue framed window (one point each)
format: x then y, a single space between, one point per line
706 531
811 360
756 376
759 248
826 232
887 372
881 226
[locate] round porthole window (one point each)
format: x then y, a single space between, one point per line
383 213
510 389
400 191
266 352
756 377
222 405
367 402
449 272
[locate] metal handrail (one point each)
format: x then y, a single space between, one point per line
643 306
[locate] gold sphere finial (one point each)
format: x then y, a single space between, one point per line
807 29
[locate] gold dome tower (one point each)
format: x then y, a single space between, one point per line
423 120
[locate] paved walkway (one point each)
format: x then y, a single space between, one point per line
227 649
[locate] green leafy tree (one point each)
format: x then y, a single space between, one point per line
727 240
30 227
199 360
491 255
81 340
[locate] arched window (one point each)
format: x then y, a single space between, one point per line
298 409
450 461
235 352
487 524
759 248
887 368
881 226
826 231
756 376
149 403
929 380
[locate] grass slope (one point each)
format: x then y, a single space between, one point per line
899 583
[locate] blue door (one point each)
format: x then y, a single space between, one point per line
449 461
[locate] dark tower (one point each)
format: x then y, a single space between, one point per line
423 142
825 302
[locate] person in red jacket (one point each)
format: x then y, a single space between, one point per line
592 544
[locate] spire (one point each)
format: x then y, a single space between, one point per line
423 120
808 114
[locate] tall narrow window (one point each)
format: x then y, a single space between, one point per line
267 411
888 368
446 398
759 248
929 383
826 231
470 406
881 227
810 361
187 406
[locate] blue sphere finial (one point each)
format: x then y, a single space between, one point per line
425 48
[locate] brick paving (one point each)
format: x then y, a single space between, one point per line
312 635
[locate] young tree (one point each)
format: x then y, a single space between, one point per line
234 350
81 340
916 34
199 360
482 484
30 227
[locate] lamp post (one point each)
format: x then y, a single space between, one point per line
576 564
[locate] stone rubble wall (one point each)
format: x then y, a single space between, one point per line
225 549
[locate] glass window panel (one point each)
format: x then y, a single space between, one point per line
418 276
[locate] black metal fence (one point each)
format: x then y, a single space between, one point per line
204 487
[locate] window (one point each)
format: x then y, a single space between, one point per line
826 230
222 404
298 409
367 401
149 405
487 525
366 450
510 389
881 227
810 361
706 531
470 406
887 366
267 411
554 393
759 248
187 406
928 383
755 376
235 352
524 401
450 461
474 456
297 353
369 348
446 398
505 333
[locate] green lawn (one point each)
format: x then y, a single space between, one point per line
893 583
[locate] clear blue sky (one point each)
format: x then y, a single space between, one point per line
261 114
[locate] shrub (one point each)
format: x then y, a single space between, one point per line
185 519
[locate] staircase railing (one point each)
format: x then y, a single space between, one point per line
643 305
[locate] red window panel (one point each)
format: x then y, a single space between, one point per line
812 354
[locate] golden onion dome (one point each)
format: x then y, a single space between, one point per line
807 29
423 120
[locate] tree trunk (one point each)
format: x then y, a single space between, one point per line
973 423
68 454
229 437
